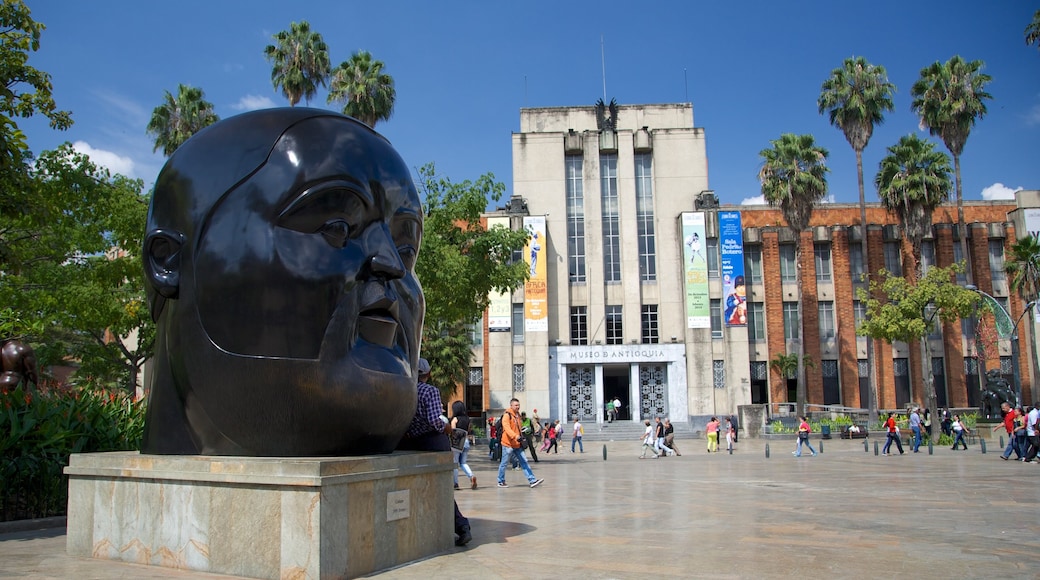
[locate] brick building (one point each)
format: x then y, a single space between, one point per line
634 270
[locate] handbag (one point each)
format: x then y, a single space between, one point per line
458 439
803 435
523 443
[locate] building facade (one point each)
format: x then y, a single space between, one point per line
644 290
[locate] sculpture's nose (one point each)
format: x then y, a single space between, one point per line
383 259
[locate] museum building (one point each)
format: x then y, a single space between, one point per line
645 290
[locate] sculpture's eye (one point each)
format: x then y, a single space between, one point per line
336 232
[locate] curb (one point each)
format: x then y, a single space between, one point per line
33 525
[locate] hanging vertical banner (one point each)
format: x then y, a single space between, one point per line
695 270
500 305
536 318
731 247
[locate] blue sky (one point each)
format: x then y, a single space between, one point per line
463 70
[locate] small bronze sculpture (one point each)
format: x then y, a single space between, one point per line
279 256
18 363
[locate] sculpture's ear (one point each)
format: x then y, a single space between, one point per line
162 265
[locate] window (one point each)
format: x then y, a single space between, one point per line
716 318
788 270
718 374
822 253
826 310
614 334
476 332
958 258
611 228
856 262
892 258
927 256
901 376
996 259
935 327
712 247
575 221
859 311
792 324
864 382
968 329
939 380
645 218
753 264
475 389
756 321
579 325
518 323
650 334
519 378
831 382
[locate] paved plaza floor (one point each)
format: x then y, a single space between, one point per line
845 513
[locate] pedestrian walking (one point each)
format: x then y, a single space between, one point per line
803 438
893 435
512 446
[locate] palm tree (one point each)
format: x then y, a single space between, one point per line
914 179
856 96
1033 30
301 62
368 92
949 97
1024 269
180 117
794 177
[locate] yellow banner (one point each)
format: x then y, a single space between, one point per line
536 319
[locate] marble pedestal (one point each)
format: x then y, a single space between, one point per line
261 517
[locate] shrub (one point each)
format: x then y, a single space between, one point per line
40 429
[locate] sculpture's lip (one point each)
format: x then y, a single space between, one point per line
378 326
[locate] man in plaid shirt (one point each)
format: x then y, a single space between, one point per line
429 432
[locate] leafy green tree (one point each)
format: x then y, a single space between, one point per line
24 90
856 97
1023 265
460 263
794 178
66 265
912 181
899 309
367 92
949 98
180 117
1033 30
301 62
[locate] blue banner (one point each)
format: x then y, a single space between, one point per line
731 248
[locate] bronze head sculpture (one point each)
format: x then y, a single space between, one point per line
279 257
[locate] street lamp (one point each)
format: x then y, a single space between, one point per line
1003 318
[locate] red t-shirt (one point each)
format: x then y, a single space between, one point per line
1009 421
891 424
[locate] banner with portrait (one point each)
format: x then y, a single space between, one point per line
731 248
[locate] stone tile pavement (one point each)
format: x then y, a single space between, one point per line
844 514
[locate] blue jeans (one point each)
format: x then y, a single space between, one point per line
893 437
1012 445
798 450
959 440
461 458
917 438
508 452
578 441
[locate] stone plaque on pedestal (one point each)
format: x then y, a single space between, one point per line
261 517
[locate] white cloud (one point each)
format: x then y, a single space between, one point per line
1033 116
999 191
757 200
252 103
112 161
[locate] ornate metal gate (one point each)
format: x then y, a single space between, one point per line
581 393
653 391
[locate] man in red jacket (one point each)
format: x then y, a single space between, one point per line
511 438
